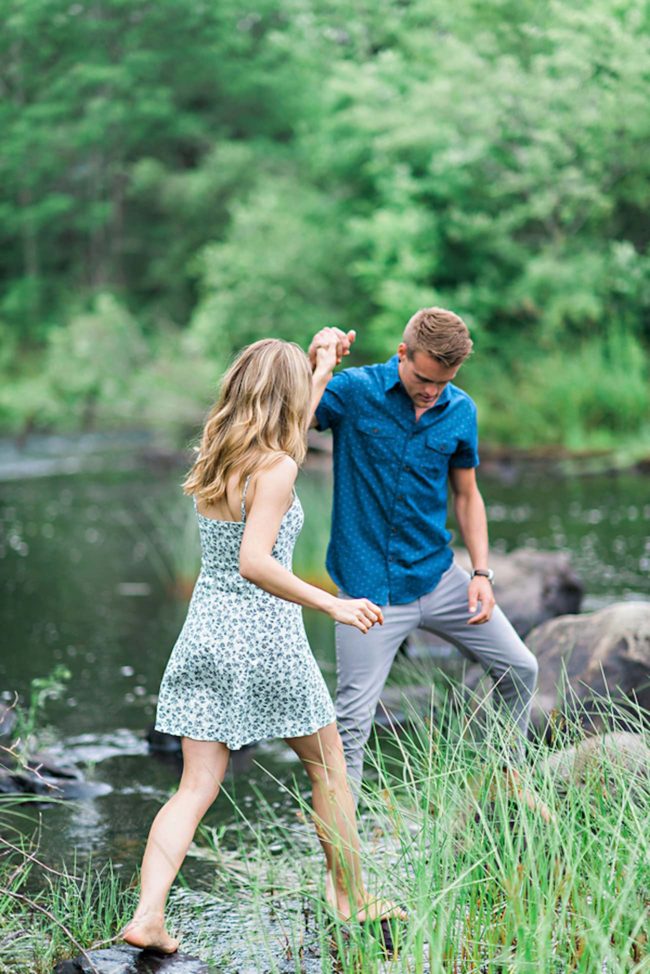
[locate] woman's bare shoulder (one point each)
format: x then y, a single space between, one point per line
275 481
282 469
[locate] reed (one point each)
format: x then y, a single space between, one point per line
489 884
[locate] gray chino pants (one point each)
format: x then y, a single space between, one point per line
363 661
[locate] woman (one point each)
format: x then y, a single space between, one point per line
242 669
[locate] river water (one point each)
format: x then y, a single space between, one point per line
92 566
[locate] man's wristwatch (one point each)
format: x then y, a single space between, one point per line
484 573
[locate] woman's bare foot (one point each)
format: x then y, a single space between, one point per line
368 909
149 932
380 910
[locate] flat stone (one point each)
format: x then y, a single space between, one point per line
130 960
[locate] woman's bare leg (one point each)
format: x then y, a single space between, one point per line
336 824
204 767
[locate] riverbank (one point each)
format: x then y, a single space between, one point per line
60 454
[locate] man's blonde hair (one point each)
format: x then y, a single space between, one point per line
440 333
263 410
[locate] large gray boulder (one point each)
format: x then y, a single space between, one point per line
599 654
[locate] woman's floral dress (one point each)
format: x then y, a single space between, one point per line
242 669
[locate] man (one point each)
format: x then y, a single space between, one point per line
402 430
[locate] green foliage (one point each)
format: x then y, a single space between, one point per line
42 688
230 175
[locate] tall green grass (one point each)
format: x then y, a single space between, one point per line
489 885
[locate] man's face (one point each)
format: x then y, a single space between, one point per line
423 377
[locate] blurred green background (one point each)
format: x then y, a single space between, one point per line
180 177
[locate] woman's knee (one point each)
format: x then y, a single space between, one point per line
322 754
204 766
200 790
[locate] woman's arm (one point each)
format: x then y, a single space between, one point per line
325 362
269 501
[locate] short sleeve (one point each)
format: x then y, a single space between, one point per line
466 453
335 400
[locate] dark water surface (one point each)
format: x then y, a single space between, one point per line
90 566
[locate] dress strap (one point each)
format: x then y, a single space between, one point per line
243 498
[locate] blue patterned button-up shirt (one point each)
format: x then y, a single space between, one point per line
389 540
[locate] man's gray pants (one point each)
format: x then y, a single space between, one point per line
363 661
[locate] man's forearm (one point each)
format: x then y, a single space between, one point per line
472 521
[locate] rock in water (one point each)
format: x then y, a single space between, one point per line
604 653
130 960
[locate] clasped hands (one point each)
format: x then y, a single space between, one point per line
328 346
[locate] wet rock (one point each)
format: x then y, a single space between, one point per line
130 960
605 755
600 655
43 778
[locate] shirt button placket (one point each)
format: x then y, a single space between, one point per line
405 468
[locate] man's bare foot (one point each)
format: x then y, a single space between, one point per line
517 790
369 909
149 932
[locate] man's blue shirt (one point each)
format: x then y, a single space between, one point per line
389 540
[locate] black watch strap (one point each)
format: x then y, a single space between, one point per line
484 573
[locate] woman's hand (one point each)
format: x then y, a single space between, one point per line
360 613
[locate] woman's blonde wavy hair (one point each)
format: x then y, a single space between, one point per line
263 409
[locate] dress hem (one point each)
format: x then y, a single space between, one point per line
311 729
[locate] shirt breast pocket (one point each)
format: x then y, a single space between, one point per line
375 439
437 454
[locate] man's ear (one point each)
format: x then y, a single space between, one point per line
401 350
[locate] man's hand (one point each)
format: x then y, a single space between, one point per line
325 337
480 590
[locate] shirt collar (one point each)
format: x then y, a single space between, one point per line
392 379
391 373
